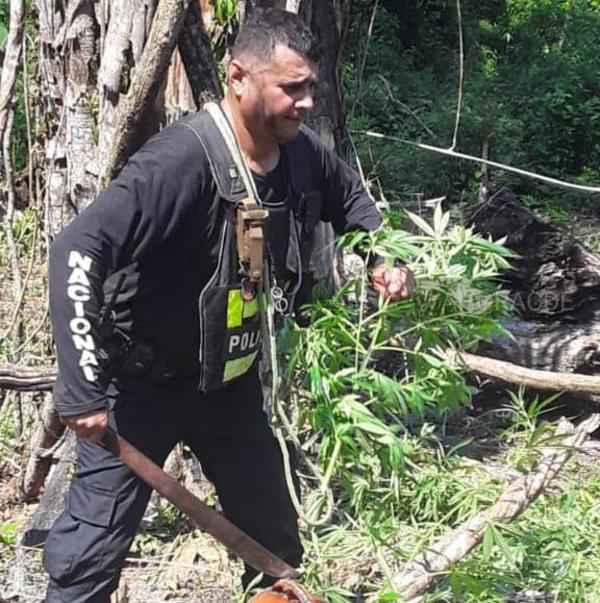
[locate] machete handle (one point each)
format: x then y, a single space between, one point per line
207 519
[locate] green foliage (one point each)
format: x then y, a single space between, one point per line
225 11
365 369
8 534
531 88
3 24
552 549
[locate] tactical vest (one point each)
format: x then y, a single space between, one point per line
230 325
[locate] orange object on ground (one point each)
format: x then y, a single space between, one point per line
286 591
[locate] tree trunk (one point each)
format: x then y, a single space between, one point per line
10 65
68 54
74 38
328 20
196 56
147 80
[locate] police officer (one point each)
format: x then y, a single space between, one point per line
152 246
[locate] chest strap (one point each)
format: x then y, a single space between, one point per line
250 214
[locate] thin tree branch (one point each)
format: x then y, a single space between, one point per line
363 63
405 107
420 574
13 253
460 77
27 378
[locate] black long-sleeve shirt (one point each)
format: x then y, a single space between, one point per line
158 223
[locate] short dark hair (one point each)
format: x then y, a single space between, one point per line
266 28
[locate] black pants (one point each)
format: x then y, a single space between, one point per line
229 434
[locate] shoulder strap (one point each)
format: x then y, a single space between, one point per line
221 147
221 121
222 165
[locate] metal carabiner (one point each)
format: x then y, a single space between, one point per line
280 303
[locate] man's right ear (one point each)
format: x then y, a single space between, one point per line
236 77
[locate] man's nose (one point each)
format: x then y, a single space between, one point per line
307 101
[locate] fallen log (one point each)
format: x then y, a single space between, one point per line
419 575
27 379
42 378
555 276
507 372
555 287
561 347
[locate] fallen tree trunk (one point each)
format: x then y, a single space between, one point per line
555 287
518 375
27 379
555 277
562 347
41 379
419 575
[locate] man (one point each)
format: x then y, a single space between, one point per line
159 231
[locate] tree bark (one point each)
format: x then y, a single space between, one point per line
12 56
555 277
82 42
196 55
561 347
48 431
147 80
69 35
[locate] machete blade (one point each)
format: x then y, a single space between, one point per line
208 520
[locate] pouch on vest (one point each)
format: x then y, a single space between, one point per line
231 335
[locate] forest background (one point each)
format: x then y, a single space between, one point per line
531 99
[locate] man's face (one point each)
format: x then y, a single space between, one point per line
278 95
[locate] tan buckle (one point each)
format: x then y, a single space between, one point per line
250 220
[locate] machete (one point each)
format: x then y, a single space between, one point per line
239 543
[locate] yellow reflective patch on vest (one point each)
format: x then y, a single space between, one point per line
251 308
235 309
236 368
